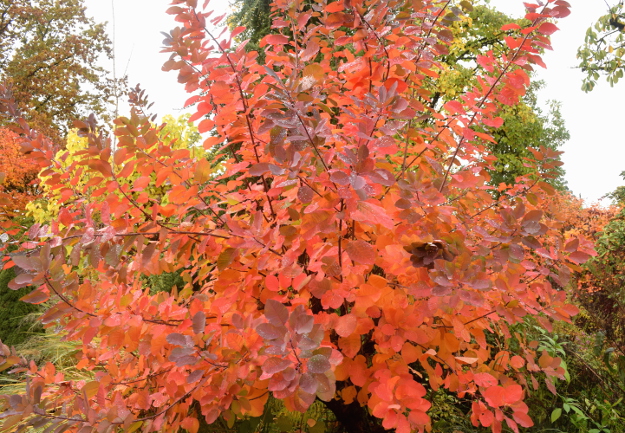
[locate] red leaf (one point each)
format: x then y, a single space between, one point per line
511 26
37 296
350 345
560 12
494 396
372 213
517 362
454 107
579 257
346 325
523 419
485 379
571 245
486 418
547 28
336 6
361 252
236 32
497 122
272 283
512 394
276 40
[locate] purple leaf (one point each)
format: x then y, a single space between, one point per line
276 313
237 321
270 332
531 242
27 263
305 194
340 178
318 364
277 383
199 322
179 340
326 387
382 176
37 296
358 182
276 170
186 360
183 356
259 169
308 383
301 322
195 376
275 365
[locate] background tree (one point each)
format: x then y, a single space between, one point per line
18 175
255 16
18 188
603 51
49 52
343 253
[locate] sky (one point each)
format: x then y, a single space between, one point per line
593 157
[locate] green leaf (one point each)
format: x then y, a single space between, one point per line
556 414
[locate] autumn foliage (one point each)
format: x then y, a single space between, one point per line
348 248
19 173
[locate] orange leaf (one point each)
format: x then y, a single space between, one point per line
350 345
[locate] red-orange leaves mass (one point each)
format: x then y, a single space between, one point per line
348 248
17 173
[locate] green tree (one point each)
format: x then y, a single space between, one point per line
49 50
526 126
603 50
255 16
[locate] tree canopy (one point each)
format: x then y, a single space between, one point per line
603 50
348 250
18 174
49 56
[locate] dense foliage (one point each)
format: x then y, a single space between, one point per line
49 56
476 32
347 251
18 178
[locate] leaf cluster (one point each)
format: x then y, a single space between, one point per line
347 250
49 56
603 49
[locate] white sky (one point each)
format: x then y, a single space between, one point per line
594 156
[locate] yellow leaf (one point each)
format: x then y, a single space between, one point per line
466 360
91 388
202 171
